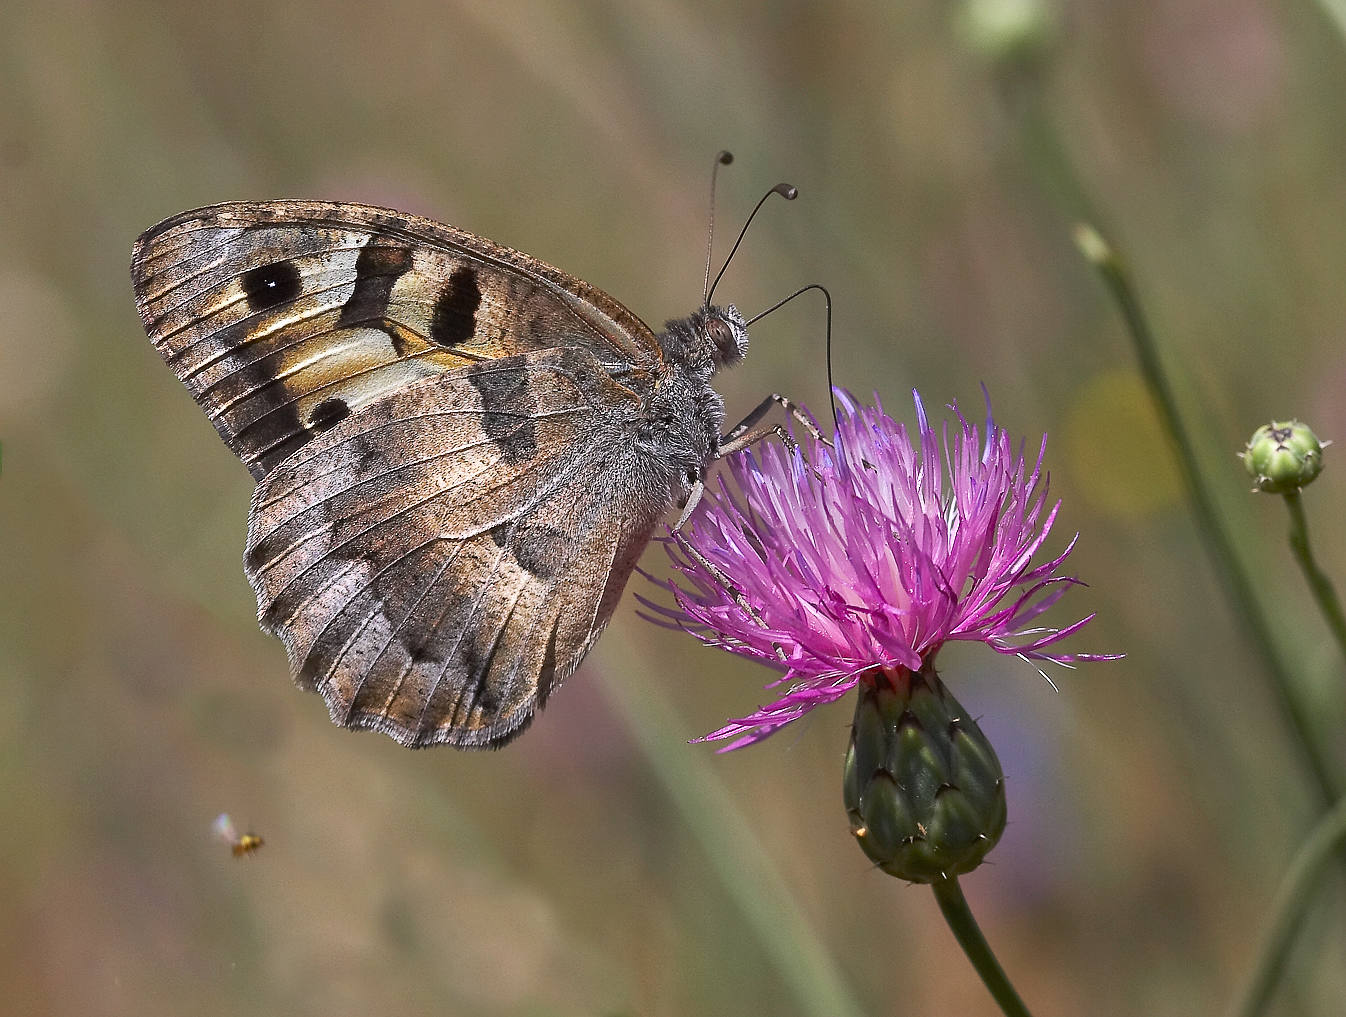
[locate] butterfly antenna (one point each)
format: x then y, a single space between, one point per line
722 158
787 191
831 389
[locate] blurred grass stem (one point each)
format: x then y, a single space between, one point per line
740 860
1293 896
1051 161
1318 582
1043 148
1229 569
965 929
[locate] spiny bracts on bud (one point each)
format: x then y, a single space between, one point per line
1283 456
923 787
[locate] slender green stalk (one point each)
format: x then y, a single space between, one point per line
1318 582
965 929
1052 163
762 896
1048 158
1293 896
1230 570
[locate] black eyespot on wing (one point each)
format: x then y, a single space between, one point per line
270 285
454 320
328 413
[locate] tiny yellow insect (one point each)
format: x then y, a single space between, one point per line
240 844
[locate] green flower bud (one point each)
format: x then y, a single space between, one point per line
1283 456
1008 31
923 787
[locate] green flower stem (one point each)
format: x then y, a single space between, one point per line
1052 163
1317 579
968 933
740 860
1044 151
1231 573
1293 896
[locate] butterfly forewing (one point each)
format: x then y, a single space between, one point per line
284 317
437 563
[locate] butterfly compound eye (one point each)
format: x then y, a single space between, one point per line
726 335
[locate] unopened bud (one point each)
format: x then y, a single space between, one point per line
1283 456
923 787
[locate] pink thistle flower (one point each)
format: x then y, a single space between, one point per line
826 563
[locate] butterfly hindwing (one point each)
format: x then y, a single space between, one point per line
438 562
282 318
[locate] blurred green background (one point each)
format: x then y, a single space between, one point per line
1154 802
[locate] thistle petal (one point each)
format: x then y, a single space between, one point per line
825 562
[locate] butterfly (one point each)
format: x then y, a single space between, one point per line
460 451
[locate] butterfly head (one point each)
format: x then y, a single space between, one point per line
706 340
727 334
713 337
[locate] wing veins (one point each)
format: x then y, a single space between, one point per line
487 662
418 416
365 587
595 506
410 463
332 580
341 467
226 242
324 307
540 496
396 631
480 598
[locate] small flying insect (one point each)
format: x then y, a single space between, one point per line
240 844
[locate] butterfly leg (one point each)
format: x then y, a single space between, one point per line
746 432
734 594
742 435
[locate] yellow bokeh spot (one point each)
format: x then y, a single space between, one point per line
1120 458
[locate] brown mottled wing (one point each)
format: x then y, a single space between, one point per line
284 317
439 562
